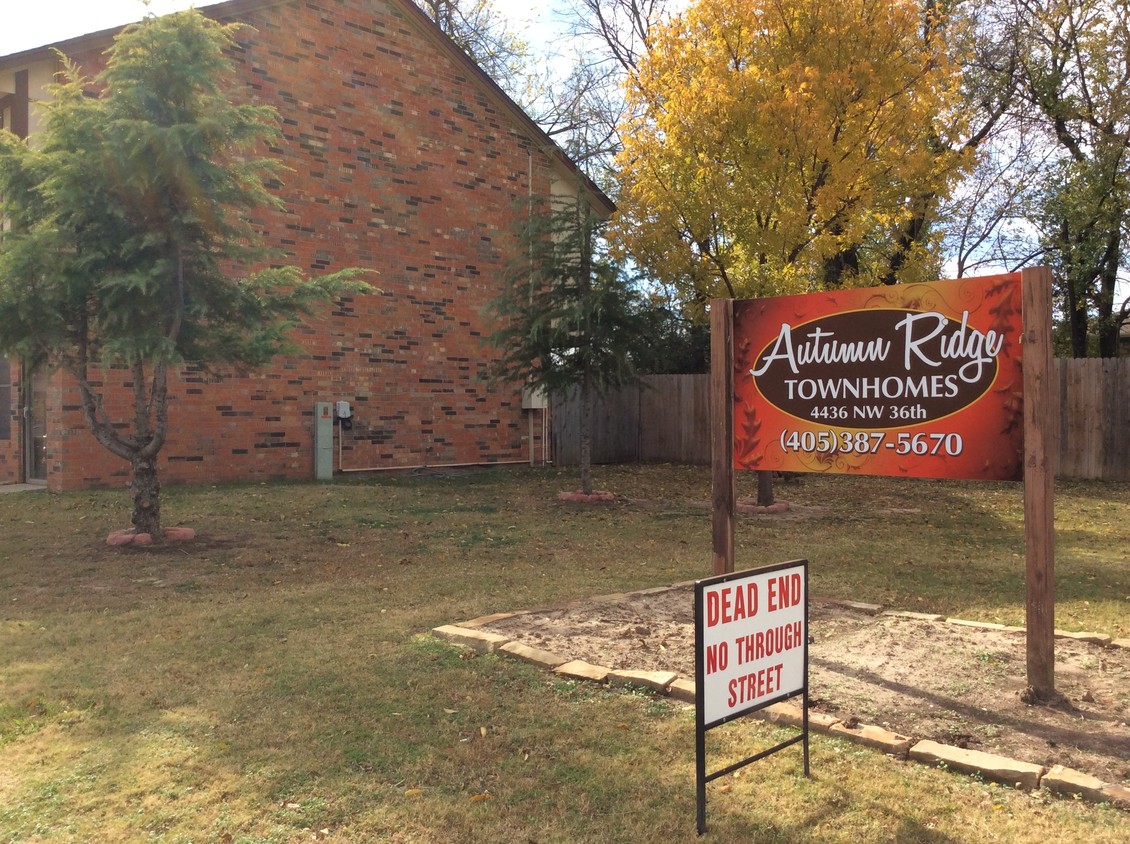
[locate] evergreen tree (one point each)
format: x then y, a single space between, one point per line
127 218
567 316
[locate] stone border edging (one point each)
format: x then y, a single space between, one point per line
1000 769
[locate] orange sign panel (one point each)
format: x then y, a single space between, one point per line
921 380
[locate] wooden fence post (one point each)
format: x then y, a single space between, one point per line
722 433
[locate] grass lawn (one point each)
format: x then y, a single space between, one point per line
275 682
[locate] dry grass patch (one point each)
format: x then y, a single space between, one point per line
275 679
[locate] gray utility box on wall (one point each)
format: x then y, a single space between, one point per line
323 441
534 398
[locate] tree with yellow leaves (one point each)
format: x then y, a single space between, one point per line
783 146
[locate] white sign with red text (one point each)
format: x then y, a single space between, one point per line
752 645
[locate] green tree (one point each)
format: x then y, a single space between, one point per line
1052 183
676 345
566 318
128 216
1077 75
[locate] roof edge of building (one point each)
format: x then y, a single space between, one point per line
234 9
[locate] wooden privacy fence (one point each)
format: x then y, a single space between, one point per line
1094 429
666 419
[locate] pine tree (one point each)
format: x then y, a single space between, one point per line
567 316
127 217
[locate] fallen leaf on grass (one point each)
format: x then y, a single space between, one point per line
483 732
413 792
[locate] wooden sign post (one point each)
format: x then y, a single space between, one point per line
1040 419
722 432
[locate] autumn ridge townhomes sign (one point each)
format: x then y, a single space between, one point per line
920 380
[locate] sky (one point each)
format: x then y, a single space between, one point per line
26 25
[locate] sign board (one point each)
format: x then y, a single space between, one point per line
921 380
750 632
751 650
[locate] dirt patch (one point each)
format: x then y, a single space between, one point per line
925 679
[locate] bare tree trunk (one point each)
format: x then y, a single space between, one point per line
146 488
142 446
1077 319
585 246
150 426
586 434
1107 325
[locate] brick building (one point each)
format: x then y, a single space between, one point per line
405 158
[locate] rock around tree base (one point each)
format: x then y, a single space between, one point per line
750 507
597 497
132 537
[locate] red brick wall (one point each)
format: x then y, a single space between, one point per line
400 163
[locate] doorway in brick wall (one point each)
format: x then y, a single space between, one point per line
35 426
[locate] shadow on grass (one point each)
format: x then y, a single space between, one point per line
1106 745
391 733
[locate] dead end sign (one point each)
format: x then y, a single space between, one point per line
751 650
